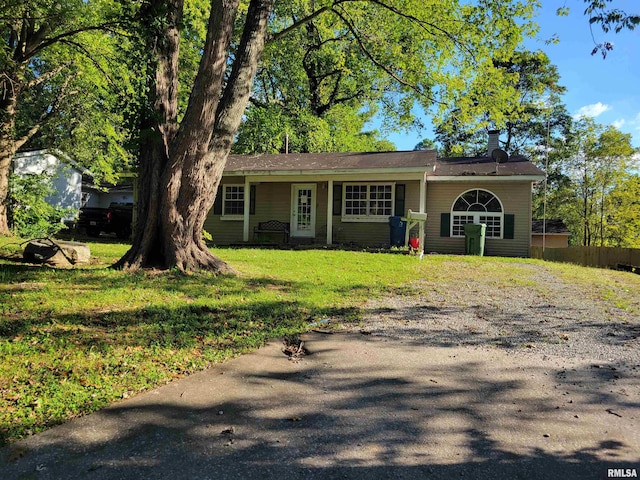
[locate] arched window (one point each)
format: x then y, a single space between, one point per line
477 206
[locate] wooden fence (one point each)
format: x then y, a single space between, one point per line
604 257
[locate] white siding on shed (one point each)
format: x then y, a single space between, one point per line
66 179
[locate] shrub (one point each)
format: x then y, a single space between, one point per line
30 216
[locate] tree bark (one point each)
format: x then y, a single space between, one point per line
7 150
181 167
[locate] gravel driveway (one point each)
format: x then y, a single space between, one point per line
546 315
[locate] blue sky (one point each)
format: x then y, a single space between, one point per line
607 90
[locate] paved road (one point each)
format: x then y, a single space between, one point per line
358 407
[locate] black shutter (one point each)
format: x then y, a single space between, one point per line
400 192
252 200
217 204
509 225
445 224
337 199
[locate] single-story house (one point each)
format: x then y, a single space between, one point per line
553 233
66 176
347 198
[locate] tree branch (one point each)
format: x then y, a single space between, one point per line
28 136
50 41
45 76
84 51
49 113
277 36
384 68
421 23
238 89
323 108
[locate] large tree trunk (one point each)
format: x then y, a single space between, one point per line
7 151
180 169
5 170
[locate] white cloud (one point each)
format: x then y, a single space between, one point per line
619 123
592 110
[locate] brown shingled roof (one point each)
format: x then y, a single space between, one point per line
463 166
553 225
422 160
330 161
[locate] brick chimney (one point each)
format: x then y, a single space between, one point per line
494 141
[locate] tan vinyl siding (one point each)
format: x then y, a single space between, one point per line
516 199
373 234
321 212
273 202
552 240
412 199
224 232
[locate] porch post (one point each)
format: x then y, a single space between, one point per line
423 194
423 209
247 207
329 212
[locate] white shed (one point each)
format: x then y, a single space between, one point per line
66 176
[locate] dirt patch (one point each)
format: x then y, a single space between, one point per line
294 348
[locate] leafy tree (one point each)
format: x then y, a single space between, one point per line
610 18
622 207
599 161
53 89
535 113
556 198
270 129
434 51
426 144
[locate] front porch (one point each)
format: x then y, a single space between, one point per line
327 210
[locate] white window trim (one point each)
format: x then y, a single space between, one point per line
233 218
476 219
476 215
367 218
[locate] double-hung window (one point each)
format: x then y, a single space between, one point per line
367 202
477 206
233 201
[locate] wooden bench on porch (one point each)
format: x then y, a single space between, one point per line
272 226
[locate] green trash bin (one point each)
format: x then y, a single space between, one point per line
474 238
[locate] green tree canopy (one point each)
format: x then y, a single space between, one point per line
379 57
622 207
594 163
535 112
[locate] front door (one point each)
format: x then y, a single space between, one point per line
303 210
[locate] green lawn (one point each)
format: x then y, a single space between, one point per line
74 341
